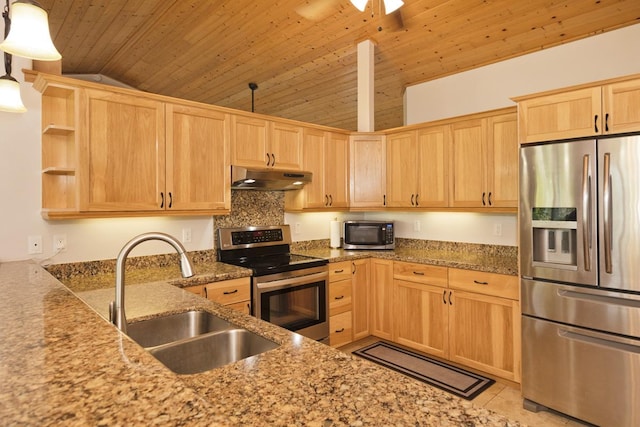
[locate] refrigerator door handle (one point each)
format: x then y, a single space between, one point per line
607 212
586 213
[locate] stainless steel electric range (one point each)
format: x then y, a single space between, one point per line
288 290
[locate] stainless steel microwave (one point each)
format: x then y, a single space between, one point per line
368 235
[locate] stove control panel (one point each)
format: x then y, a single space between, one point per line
256 236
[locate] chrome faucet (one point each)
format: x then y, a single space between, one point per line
116 308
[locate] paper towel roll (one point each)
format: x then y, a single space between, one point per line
335 234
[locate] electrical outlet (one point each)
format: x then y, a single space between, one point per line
497 229
34 244
59 242
186 235
297 228
416 225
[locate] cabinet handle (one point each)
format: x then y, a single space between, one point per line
339 297
339 330
489 198
412 200
417 204
273 159
450 303
384 200
326 200
353 268
483 203
419 273
480 283
170 200
161 200
206 293
330 200
230 292
339 271
444 294
595 123
606 122
268 160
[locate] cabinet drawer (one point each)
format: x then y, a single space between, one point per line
340 328
339 271
242 307
197 290
229 291
339 297
420 273
500 285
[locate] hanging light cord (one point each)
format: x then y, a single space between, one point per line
7 25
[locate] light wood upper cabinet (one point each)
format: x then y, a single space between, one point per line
198 175
484 162
417 163
325 155
263 143
367 159
122 153
602 108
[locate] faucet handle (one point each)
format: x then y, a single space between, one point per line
112 316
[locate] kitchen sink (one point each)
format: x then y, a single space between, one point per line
196 341
175 327
210 351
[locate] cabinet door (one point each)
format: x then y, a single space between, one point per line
468 152
483 333
622 107
402 168
285 146
249 137
336 170
367 158
570 114
381 288
122 152
433 160
313 150
360 297
502 161
198 175
421 317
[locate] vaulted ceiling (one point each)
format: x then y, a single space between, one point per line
302 53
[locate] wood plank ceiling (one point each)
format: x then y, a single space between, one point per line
302 53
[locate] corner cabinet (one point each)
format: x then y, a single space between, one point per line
123 153
263 143
367 172
602 108
484 162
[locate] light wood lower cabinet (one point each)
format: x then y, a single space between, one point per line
360 295
234 293
381 288
340 305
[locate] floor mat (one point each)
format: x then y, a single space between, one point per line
457 381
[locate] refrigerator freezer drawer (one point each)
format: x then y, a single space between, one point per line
608 311
584 374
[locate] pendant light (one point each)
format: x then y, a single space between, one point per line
29 36
389 5
10 100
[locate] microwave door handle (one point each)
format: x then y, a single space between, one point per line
607 213
586 212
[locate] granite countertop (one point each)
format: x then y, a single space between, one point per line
62 363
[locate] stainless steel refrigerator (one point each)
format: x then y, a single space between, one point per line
580 278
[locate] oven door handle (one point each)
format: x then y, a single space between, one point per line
298 280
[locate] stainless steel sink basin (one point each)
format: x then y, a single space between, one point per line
175 327
196 341
211 351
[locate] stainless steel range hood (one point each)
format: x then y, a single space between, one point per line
267 179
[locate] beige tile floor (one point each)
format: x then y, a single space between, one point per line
500 397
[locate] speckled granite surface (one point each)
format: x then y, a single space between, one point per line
63 364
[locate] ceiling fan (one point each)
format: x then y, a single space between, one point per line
391 20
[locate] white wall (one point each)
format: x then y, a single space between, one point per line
612 54
20 199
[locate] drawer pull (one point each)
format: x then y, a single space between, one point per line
339 330
480 283
339 297
230 292
339 271
206 293
419 273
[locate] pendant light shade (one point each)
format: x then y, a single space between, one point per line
29 35
392 6
10 100
360 4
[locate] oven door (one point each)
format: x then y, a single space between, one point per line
295 300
